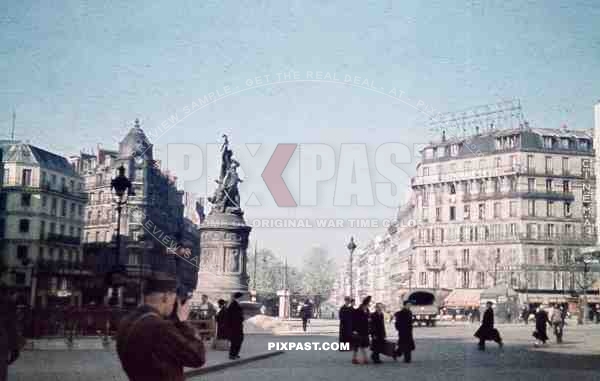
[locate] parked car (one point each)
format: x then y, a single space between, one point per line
424 306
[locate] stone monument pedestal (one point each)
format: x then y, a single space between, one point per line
284 304
223 245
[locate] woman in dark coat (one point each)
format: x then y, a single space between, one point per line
487 331
404 326
360 331
221 320
541 319
377 329
345 315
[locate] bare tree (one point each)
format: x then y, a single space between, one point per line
318 275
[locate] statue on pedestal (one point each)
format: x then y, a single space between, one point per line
227 196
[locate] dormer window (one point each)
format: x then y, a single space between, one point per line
564 143
584 144
429 153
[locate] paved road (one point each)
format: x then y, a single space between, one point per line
443 353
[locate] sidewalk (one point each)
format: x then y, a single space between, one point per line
103 365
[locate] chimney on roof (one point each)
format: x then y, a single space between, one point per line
444 135
476 130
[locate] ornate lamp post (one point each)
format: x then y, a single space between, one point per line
119 185
587 259
351 247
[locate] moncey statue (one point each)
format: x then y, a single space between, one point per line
227 196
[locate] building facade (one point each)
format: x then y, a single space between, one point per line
42 203
504 207
151 224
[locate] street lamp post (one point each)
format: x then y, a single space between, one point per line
586 260
120 184
351 247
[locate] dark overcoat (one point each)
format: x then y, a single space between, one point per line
541 319
377 330
404 326
234 321
360 328
487 331
152 348
221 323
345 315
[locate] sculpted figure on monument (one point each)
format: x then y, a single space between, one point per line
227 197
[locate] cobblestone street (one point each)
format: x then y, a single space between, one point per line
443 353
447 352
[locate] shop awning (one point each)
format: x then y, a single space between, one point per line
465 297
547 298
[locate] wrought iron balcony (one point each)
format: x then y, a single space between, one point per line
60 238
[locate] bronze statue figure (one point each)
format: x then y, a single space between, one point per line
227 196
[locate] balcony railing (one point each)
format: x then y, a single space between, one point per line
52 237
568 196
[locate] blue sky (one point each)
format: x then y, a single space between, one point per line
77 73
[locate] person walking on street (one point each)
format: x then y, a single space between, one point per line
221 320
234 318
404 326
345 315
377 330
153 347
360 331
305 313
541 320
557 323
487 331
525 314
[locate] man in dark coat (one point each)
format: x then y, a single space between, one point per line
377 330
9 339
404 326
541 320
234 318
487 331
153 347
345 316
305 313
220 318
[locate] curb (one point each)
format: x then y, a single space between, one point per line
230 364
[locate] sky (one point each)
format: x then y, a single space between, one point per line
78 73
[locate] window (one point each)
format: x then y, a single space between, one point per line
566 186
53 180
549 208
78 232
26 178
80 210
482 187
452 213
583 144
72 210
63 208
548 185
436 257
497 186
467 212
63 184
496 209
438 214
513 209
53 205
547 142
550 230
72 186
24 226
512 228
436 280
62 229
531 207
44 201
480 279
481 211
530 230
530 185
87 237
97 236
52 227
533 256
454 150
467 166
71 231
425 215
423 278
513 184
425 171
530 164
466 259
565 166
26 199
498 162
548 164
465 279
567 209
6 176
549 255
452 189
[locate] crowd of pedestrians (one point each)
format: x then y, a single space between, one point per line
361 329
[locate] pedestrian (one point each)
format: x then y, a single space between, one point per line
557 323
541 320
404 326
487 331
360 331
345 315
206 309
151 345
305 314
235 326
525 314
377 330
221 321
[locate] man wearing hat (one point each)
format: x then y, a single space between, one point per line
153 347
234 317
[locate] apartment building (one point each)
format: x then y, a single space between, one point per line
42 203
504 207
151 222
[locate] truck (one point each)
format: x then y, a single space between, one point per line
425 306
